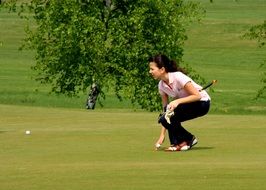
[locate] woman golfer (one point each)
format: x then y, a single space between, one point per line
181 96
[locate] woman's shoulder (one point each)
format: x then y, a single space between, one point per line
180 77
176 74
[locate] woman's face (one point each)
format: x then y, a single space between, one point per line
155 71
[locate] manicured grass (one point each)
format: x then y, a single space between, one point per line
79 149
105 149
217 51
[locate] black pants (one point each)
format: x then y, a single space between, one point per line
184 112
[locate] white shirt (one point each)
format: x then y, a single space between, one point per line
175 89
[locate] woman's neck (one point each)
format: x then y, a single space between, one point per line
165 78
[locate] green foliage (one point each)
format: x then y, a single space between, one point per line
78 42
258 32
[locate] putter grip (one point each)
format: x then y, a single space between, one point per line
208 85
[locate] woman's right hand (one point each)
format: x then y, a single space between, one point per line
159 142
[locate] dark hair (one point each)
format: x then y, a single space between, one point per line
162 60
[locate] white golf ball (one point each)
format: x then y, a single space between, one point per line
27 132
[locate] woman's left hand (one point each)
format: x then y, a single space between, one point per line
172 105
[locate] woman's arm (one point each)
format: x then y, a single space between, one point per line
161 138
194 96
163 130
164 100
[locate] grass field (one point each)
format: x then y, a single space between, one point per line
71 148
74 149
217 51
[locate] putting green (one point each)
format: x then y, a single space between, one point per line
113 149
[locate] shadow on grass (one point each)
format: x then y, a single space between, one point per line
202 148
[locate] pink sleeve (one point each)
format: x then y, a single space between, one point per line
183 79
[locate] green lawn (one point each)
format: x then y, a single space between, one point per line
104 149
217 51
77 149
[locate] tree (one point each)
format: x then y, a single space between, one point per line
108 41
258 32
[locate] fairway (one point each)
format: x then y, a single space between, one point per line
112 147
79 149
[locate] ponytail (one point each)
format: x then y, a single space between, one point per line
180 69
162 60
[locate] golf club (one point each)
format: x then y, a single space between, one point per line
209 84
